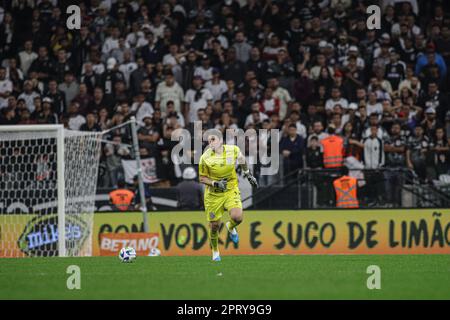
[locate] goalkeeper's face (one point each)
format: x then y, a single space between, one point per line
215 142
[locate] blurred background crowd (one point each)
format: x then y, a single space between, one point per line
310 68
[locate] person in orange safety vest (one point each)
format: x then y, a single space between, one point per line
333 149
121 198
346 191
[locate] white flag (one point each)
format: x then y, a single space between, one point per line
148 167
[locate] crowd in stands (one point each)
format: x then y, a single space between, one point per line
305 67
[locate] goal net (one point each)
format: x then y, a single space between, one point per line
48 179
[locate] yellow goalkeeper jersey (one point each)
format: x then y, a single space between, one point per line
218 167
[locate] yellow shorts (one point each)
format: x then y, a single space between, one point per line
217 203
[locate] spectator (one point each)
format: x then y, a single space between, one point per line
440 154
28 95
269 105
374 158
282 94
169 90
417 148
69 87
58 97
9 116
75 119
47 116
196 98
141 108
435 99
242 47
205 71
91 123
27 56
127 65
114 152
317 131
83 98
394 148
216 85
291 148
147 195
151 52
61 66
89 77
431 58
233 69
110 77
25 117
336 98
42 65
190 191
6 88
314 156
373 150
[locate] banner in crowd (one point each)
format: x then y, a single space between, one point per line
416 231
148 166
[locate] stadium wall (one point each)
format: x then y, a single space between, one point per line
181 233
419 231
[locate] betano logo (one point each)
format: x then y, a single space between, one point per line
143 243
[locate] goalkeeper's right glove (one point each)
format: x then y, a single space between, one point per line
221 185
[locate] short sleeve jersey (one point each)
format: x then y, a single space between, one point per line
218 167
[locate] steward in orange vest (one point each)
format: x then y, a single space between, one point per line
333 149
121 198
346 195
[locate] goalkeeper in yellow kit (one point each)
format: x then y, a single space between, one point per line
217 170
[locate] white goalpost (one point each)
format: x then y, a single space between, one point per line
48 180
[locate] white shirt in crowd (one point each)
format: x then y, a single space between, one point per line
98 68
19 73
26 59
360 63
127 69
195 105
221 38
301 130
206 74
170 59
249 119
329 105
29 100
285 98
165 93
110 44
373 153
142 110
217 89
133 38
76 122
158 32
381 133
374 108
5 86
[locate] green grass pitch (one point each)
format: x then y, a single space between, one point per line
235 277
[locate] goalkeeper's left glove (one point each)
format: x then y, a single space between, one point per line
251 179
